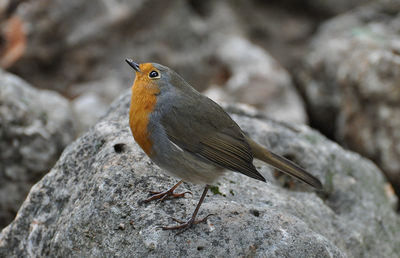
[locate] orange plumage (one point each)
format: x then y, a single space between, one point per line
142 104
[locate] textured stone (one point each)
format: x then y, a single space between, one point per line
258 80
336 6
93 99
285 27
35 126
90 205
351 82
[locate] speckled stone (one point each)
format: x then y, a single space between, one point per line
350 79
35 127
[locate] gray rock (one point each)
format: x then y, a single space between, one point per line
93 100
89 205
258 80
351 82
88 107
336 6
35 126
285 27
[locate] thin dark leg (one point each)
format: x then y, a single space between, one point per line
192 221
169 193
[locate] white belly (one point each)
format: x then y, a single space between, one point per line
184 165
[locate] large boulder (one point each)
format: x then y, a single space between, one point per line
351 83
90 204
36 125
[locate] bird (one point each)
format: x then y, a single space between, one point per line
192 138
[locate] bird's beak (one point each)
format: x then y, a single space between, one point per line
134 65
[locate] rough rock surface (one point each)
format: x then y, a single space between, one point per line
90 203
351 81
35 126
336 7
258 80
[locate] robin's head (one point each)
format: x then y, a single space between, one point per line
156 75
150 74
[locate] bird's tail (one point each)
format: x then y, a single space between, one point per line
283 164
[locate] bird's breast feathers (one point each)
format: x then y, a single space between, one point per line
144 99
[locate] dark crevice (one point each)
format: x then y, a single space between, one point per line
254 212
119 147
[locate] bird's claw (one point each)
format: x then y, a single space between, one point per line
184 225
162 196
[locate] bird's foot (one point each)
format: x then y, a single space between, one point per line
184 225
162 196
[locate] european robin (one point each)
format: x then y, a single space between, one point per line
191 137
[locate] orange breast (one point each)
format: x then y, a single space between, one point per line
143 102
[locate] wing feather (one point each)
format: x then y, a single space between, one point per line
208 131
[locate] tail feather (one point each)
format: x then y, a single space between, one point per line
283 164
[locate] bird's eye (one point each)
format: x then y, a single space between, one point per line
154 74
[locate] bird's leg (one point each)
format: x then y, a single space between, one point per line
169 193
192 221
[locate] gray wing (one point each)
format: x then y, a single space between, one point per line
202 127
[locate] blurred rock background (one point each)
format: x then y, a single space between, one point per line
332 64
